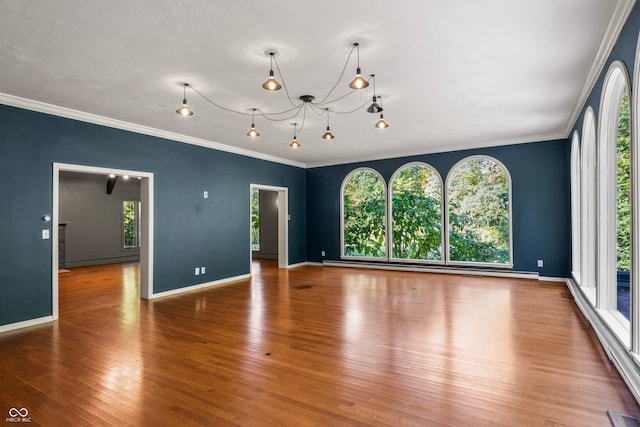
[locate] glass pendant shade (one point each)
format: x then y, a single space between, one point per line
328 134
271 84
184 110
294 143
381 124
253 132
358 82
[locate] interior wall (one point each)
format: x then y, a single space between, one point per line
540 202
268 213
189 230
94 233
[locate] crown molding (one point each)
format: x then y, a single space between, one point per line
621 13
56 110
447 148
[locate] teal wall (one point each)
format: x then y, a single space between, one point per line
189 231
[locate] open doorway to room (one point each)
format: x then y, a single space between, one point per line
102 230
269 224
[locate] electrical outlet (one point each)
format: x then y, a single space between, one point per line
45 233
540 263
205 194
197 271
202 270
324 253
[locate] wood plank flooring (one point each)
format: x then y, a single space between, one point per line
312 346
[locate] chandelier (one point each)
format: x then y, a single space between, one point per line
305 103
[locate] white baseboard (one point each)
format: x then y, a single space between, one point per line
26 323
201 286
553 279
302 264
427 269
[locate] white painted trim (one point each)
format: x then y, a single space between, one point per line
283 223
625 361
427 269
635 206
200 286
621 13
302 264
575 205
146 250
588 209
615 82
552 279
386 214
390 214
42 107
26 323
446 223
311 263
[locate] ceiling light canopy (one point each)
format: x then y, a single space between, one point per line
306 102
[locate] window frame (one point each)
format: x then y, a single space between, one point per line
390 216
576 204
508 265
138 228
615 82
588 210
385 220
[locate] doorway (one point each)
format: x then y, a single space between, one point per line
145 228
280 197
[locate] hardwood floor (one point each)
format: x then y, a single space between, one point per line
312 346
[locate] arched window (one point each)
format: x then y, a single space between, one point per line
479 212
416 213
614 189
588 260
363 212
575 207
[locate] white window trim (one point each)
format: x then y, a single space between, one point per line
615 82
448 234
384 183
588 205
575 207
390 217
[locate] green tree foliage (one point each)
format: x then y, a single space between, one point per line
416 213
364 215
255 219
129 222
479 212
623 187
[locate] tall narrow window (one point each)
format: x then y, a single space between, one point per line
131 224
588 223
364 215
479 212
623 206
575 207
416 213
255 219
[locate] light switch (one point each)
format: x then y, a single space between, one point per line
205 194
45 234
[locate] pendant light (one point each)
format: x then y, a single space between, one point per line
184 110
271 84
381 124
358 82
328 135
294 144
253 132
374 107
